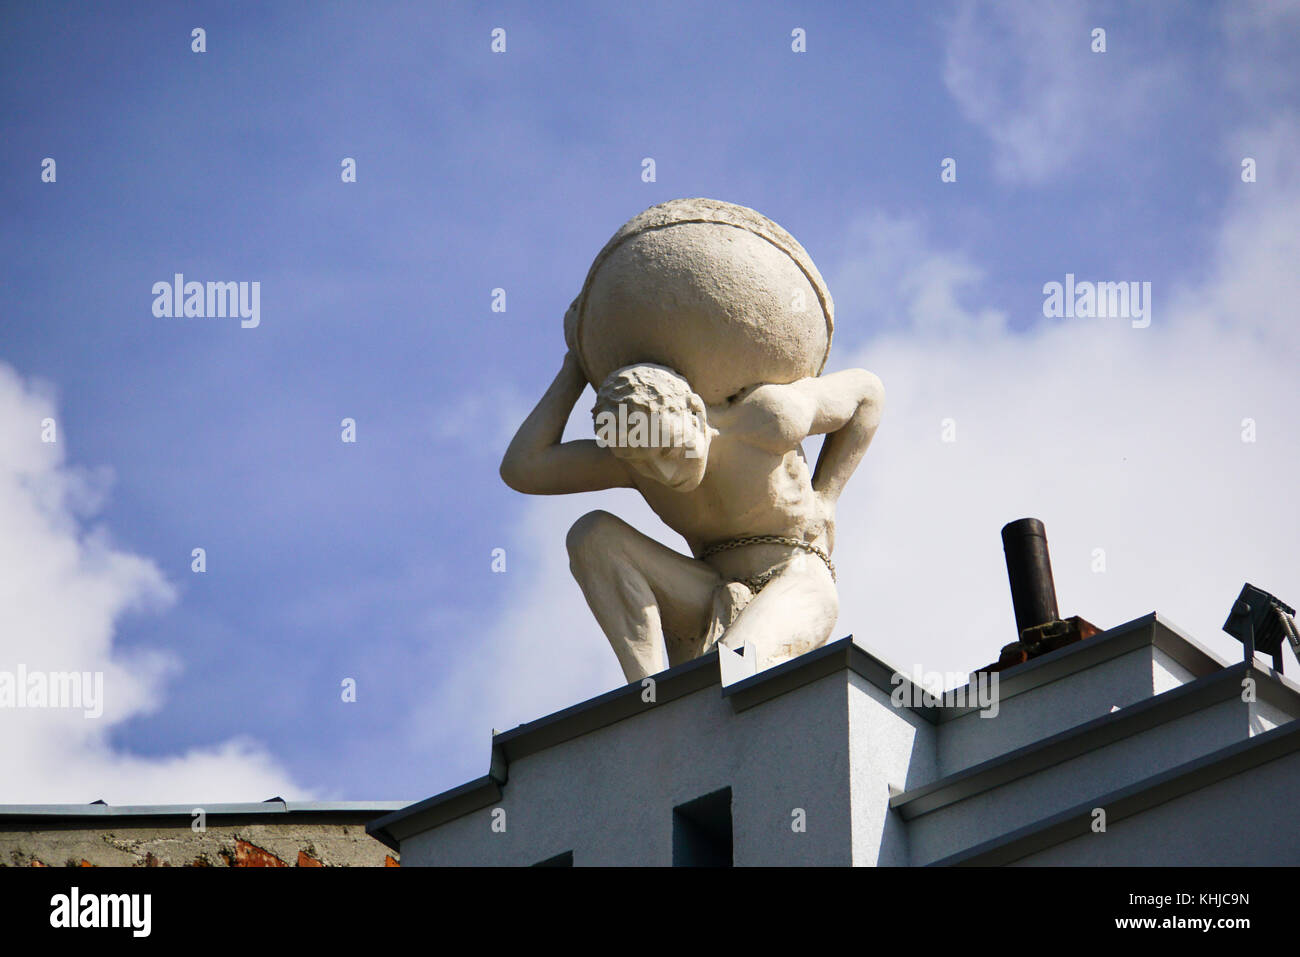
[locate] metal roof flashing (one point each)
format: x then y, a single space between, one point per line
843 655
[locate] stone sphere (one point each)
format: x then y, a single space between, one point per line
718 292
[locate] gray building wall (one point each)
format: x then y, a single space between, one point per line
1246 820
889 747
820 739
1043 791
1058 705
608 796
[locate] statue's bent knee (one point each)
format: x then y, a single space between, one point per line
587 539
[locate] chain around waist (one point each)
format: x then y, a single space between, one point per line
772 540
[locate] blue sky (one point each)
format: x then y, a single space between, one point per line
478 170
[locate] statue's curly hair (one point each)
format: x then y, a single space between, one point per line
649 386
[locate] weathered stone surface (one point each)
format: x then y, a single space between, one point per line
716 291
243 845
709 321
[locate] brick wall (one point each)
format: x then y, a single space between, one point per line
234 844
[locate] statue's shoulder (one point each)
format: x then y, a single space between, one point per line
773 416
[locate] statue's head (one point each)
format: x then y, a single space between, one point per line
649 417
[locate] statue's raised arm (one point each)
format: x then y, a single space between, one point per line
845 406
539 462
704 328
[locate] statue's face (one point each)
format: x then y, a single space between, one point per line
647 415
678 460
678 467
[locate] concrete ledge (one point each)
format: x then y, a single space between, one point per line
626 702
392 828
1094 734
1148 630
616 705
840 655
1131 800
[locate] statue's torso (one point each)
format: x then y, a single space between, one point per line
747 490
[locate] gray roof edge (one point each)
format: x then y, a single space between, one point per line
870 666
626 701
791 674
1151 629
471 796
1276 690
843 653
599 712
692 676
687 678
1073 658
605 709
1131 800
1073 742
1281 679
1187 651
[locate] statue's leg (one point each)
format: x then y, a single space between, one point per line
643 594
793 613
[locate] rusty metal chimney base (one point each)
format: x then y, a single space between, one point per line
1041 639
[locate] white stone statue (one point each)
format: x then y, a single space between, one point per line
704 327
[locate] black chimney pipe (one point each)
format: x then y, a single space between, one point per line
1029 569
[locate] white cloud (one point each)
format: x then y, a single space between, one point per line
1256 283
1024 72
64 587
1121 439
897 283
